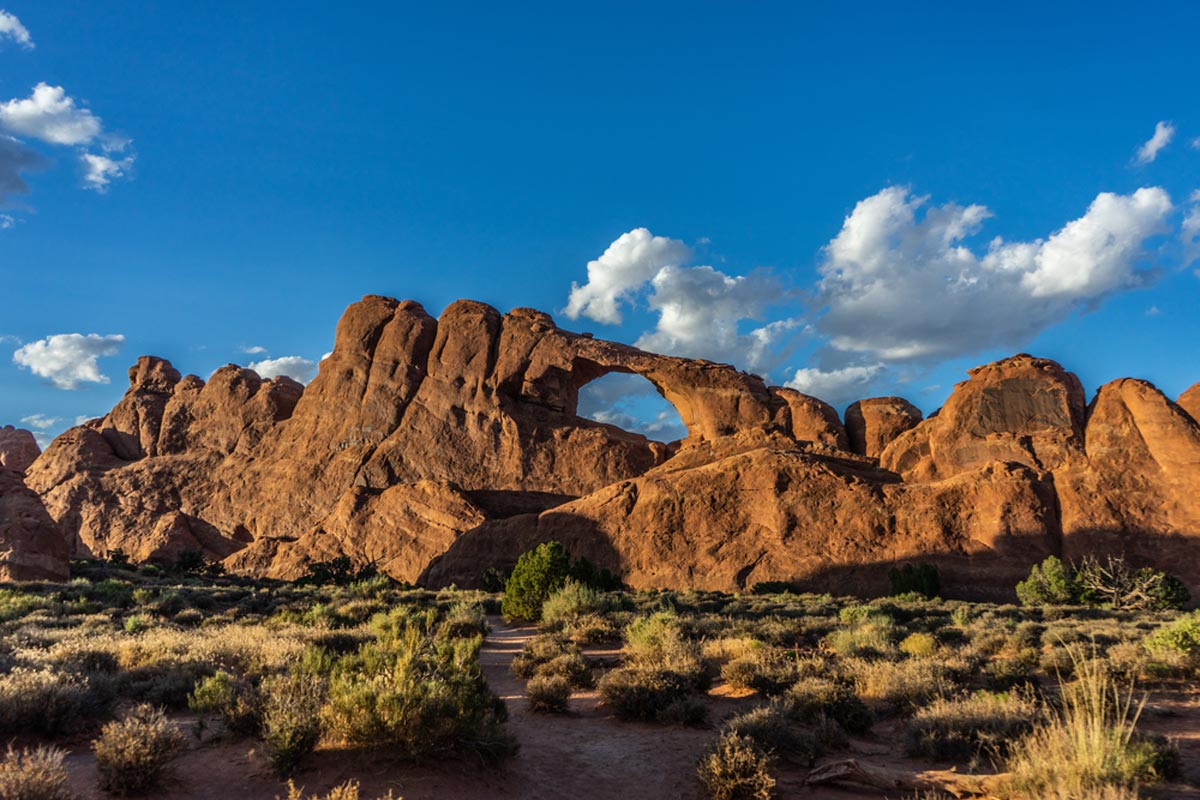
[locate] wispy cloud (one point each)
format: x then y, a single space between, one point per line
1164 132
40 422
11 29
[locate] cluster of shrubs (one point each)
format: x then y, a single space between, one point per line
540 573
1111 583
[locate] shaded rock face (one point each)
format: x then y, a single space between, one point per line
18 448
874 423
32 547
436 448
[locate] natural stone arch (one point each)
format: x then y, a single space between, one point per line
623 392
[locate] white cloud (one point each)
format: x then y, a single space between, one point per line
11 28
836 386
628 263
6 222
327 355
40 421
68 359
83 419
902 286
1189 232
254 350
297 368
1164 132
100 170
700 311
50 115
1196 143
1153 311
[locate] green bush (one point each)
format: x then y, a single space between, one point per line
572 667
1050 583
419 695
42 701
34 774
1177 643
572 601
658 642
600 578
235 701
541 649
920 579
919 645
132 753
291 718
736 769
548 694
538 574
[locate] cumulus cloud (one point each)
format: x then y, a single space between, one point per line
50 115
701 312
1164 132
40 422
632 403
628 263
297 368
83 419
902 285
68 359
12 29
837 386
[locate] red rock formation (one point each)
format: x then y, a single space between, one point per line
876 422
1189 401
18 448
436 448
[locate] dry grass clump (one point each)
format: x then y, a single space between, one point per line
346 791
773 729
819 701
34 774
659 642
41 701
736 769
548 694
133 752
898 685
983 723
1089 748
541 649
766 670
573 601
592 629
641 693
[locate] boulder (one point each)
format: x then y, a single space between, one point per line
874 423
18 448
32 546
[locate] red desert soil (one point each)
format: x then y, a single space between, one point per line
586 754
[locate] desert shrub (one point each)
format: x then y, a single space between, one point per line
291 718
41 701
538 573
493 580
775 732
902 685
919 645
234 700
464 619
814 699
765 670
34 774
571 601
548 694
338 571
419 695
133 752
736 769
593 629
571 666
541 649
684 711
658 642
1089 747
981 723
772 587
1177 644
639 693
585 572
872 636
1050 583
916 579
723 649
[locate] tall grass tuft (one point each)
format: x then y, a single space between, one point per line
34 774
1089 749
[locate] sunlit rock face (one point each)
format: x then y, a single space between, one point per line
435 448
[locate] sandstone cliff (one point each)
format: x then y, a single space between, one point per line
437 447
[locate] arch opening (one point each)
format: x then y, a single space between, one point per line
632 403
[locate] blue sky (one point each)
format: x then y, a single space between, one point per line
255 167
